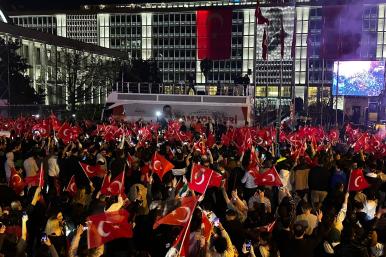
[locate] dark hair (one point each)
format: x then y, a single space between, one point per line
220 244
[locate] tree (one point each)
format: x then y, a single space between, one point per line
13 69
206 66
86 77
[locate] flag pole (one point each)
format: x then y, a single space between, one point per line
293 111
191 216
254 69
266 77
322 95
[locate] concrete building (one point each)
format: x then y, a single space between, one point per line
166 31
45 52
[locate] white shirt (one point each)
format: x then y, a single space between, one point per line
53 167
248 180
9 164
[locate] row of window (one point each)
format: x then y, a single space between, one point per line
43 21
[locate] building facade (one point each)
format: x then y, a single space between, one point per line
166 32
48 57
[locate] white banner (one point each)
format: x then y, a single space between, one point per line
232 115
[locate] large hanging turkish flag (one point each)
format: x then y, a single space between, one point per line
214 34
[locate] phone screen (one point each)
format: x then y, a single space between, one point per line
248 245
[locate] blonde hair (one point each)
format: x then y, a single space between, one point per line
52 226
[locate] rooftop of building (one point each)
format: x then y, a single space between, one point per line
36 7
34 35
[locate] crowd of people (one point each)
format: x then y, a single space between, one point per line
310 212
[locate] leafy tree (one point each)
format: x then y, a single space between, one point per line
86 77
13 68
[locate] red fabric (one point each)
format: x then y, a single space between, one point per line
55 123
206 226
108 226
270 178
215 180
259 16
66 133
16 182
114 187
214 34
42 129
264 46
92 171
357 181
71 187
37 180
333 136
181 215
200 178
160 165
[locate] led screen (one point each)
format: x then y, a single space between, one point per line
358 78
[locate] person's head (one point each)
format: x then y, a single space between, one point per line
230 215
53 227
299 229
305 207
220 244
265 238
16 206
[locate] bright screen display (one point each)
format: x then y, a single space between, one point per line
358 78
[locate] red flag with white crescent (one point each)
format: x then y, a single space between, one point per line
181 215
71 187
16 182
200 178
357 181
105 227
270 178
92 170
115 186
160 165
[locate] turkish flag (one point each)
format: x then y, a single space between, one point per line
65 133
105 227
54 122
270 178
264 46
16 182
115 187
206 226
92 171
41 129
181 215
71 187
160 165
259 16
357 181
215 180
200 178
214 34
333 136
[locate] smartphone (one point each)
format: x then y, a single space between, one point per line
263 156
216 222
44 237
248 245
85 227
